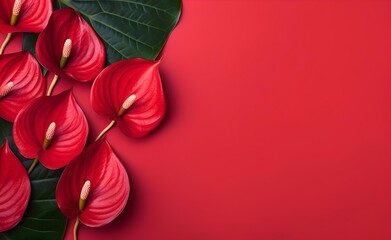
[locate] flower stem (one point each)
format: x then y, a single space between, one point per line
111 124
52 85
33 165
75 228
5 43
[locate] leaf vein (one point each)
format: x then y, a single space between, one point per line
135 3
129 19
130 37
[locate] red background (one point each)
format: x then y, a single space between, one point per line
278 126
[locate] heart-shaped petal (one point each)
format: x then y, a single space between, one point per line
53 128
94 187
31 15
14 189
130 92
21 81
68 36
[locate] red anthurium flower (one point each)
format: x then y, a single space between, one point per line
23 16
70 48
14 189
130 93
94 187
52 129
21 81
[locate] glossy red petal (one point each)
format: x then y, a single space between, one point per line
109 191
23 72
70 135
119 81
14 189
33 17
87 56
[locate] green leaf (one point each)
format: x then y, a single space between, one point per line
5 130
28 44
130 28
43 220
57 5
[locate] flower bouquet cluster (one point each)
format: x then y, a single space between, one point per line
44 154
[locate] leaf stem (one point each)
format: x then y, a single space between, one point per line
75 228
52 85
104 131
5 43
33 165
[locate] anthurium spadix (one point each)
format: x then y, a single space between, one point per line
70 48
52 129
21 81
23 16
94 188
130 94
14 189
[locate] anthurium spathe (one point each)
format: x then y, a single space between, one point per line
94 187
52 129
21 81
130 94
23 16
70 48
14 189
